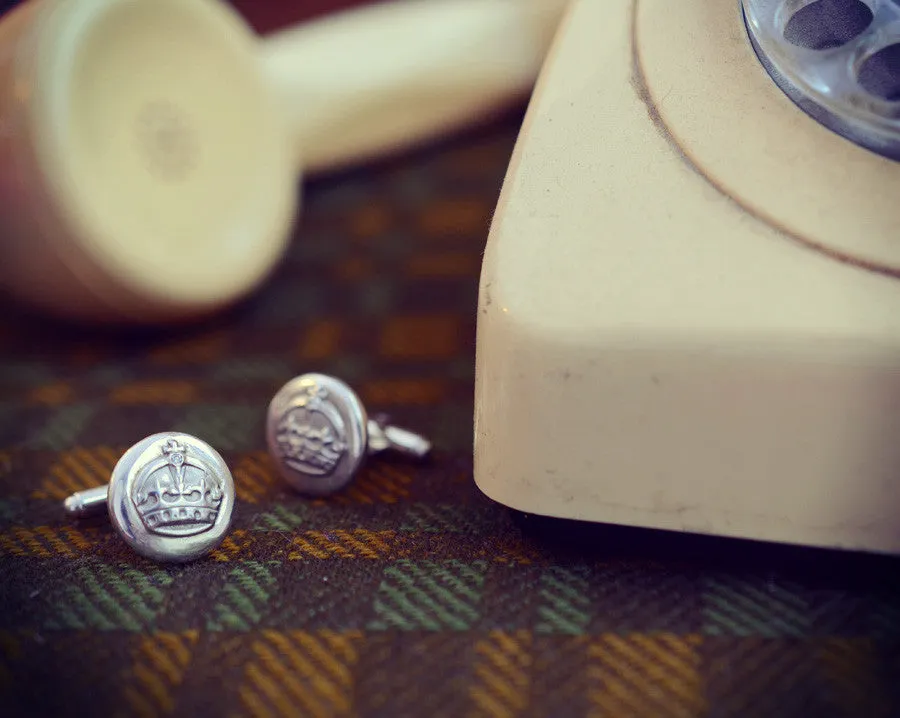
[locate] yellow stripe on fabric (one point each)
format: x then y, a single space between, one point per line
428 336
196 349
301 673
400 392
354 543
501 675
321 340
155 392
77 470
642 675
161 662
47 541
375 484
254 477
234 546
52 394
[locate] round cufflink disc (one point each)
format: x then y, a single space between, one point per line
317 433
171 497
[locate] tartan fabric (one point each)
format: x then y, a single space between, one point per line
409 594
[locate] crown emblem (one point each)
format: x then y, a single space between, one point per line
175 495
311 436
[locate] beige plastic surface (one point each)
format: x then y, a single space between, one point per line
652 350
153 148
374 79
803 178
167 157
151 155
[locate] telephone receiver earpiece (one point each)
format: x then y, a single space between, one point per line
150 150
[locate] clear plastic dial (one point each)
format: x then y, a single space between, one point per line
839 60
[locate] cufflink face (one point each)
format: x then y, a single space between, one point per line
316 432
171 497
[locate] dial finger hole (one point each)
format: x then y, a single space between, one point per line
879 73
826 24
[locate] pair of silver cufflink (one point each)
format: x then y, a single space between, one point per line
171 495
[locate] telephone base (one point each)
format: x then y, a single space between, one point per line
650 353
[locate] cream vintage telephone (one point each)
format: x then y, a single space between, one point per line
150 150
689 313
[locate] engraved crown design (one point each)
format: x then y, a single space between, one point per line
176 495
311 435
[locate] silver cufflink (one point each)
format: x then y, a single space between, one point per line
170 497
318 433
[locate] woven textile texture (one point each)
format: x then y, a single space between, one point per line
409 594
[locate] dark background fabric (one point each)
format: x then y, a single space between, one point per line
409 594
